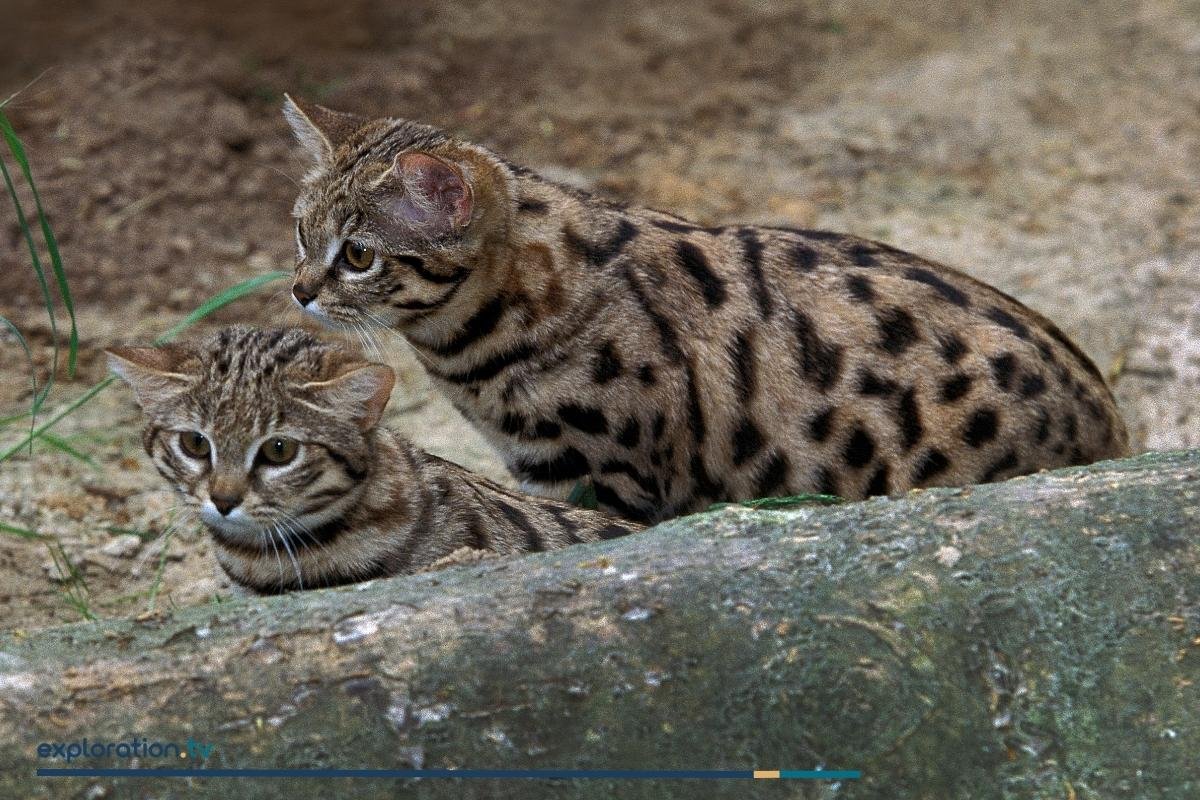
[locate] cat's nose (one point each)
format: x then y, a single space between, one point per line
225 502
303 294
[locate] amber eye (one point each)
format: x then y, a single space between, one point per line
357 256
279 450
194 444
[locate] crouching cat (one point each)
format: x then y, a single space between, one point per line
272 437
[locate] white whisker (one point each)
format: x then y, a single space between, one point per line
270 535
379 324
283 539
179 514
290 179
302 533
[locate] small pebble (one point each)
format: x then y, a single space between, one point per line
124 546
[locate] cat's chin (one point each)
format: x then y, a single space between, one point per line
234 531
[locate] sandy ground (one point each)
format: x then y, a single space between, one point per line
1052 150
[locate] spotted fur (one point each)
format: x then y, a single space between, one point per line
671 364
356 502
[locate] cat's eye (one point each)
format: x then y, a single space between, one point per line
279 450
194 444
357 256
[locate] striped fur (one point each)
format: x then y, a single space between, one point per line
356 502
672 364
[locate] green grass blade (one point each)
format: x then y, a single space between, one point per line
60 275
583 494
32 378
64 446
220 301
117 530
58 417
23 533
23 222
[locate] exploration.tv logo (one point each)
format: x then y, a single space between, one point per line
134 748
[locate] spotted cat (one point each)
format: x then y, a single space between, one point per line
272 437
672 364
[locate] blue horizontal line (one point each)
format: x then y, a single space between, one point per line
552 774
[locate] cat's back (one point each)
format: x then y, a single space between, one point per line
859 369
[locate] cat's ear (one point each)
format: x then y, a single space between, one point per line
154 373
362 390
318 129
428 193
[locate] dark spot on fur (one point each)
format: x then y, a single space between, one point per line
803 257
606 365
1007 320
955 387
820 361
897 330
1004 367
879 482
1071 427
1033 385
608 497
827 481
668 338
932 464
529 206
692 259
569 465
1074 350
598 254
1005 463
773 475
704 484
695 410
660 425
952 348
862 255
859 450
1043 427
584 418
861 288
547 429
911 429
981 427
741 353
630 433
747 442
647 483
871 385
820 426
752 249
950 293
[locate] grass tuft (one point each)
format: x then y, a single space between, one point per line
74 589
17 149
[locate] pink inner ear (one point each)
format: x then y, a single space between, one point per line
444 195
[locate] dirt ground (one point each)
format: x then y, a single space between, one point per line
1050 149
